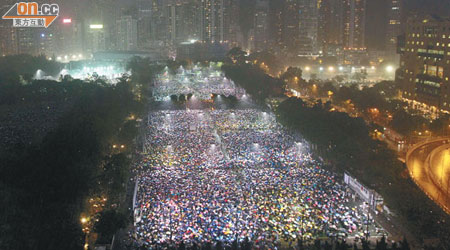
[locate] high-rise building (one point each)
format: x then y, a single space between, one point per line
212 23
261 33
290 27
158 23
331 19
144 21
26 41
424 71
394 24
126 28
8 35
231 23
276 24
342 30
342 23
175 19
308 18
69 36
95 38
47 40
376 25
354 24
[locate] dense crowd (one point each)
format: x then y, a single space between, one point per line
28 123
227 175
200 82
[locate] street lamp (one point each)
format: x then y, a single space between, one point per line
389 69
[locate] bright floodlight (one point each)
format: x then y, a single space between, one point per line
321 68
67 20
389 69
331 68
341 68
96 26
307 68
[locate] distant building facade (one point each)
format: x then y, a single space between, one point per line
425 63
342 25
127 35
394 24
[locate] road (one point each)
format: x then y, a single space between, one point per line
429 167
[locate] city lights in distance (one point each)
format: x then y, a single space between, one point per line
389 69
67 20
96 26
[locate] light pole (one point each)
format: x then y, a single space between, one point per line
368 219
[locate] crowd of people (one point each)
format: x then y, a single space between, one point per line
24 124
235 175
198 81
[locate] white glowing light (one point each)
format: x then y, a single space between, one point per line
389 69
96 26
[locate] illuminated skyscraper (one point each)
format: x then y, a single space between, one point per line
341 25
424 73
216 20
354 24
331 19
394 25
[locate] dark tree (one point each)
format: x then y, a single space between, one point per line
109 222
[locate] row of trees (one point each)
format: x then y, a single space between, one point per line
381 98
254 80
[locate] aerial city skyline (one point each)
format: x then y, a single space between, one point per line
346 29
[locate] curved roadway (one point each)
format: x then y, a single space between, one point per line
429 166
